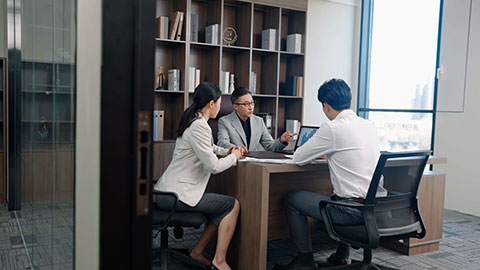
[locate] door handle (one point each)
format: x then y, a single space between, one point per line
143 163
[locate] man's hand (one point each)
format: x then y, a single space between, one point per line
287 136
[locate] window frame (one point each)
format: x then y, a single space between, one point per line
366 27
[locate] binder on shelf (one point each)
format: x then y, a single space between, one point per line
194 28
158 116
269 39
191 79
293 126
180 26
290 88
294 43
174 80
175 19
162 27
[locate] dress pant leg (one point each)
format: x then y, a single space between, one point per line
300 204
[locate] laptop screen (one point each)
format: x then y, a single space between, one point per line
306 132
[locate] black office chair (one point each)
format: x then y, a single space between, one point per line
161 220
389 218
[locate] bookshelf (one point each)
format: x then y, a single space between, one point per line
3 128
249 19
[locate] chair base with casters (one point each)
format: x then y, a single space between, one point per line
393 217
161 220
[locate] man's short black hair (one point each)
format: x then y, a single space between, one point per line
238 92
336 93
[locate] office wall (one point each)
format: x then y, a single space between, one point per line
332 44
87 159
3 28
457 134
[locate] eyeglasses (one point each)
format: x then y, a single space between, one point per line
247 104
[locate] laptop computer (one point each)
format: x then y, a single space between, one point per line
305 133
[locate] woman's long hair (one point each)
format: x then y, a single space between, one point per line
204 93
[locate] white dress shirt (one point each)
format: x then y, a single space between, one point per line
194 159
350 144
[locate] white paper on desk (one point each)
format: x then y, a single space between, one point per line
274 161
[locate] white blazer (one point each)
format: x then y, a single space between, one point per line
194 159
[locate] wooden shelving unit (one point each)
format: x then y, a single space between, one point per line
48 105
248 18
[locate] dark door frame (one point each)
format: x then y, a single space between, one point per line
128 33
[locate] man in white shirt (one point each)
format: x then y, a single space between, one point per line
350 144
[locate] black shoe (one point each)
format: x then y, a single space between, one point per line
295 264
211 267
333 260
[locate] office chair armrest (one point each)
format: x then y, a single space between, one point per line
368 219
170 209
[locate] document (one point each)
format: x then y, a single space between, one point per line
262 160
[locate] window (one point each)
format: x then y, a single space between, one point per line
398 60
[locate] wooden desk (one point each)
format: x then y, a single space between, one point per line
260 188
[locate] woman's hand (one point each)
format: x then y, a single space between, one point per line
242 149
237 152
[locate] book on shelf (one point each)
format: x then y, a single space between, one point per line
174 79
269 39
180 26
191 79
158 116
194 27
197 77
253 83
211 34
294 43
293 86
162 27
225 82
174 19
300 86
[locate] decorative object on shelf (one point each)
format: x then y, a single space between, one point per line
294 43
231 88
174 79
42 129
269 37
253 83
160 79
224 82
230 35
211 34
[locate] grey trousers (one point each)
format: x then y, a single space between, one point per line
215 206
300 204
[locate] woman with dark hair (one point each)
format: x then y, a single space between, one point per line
194 159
